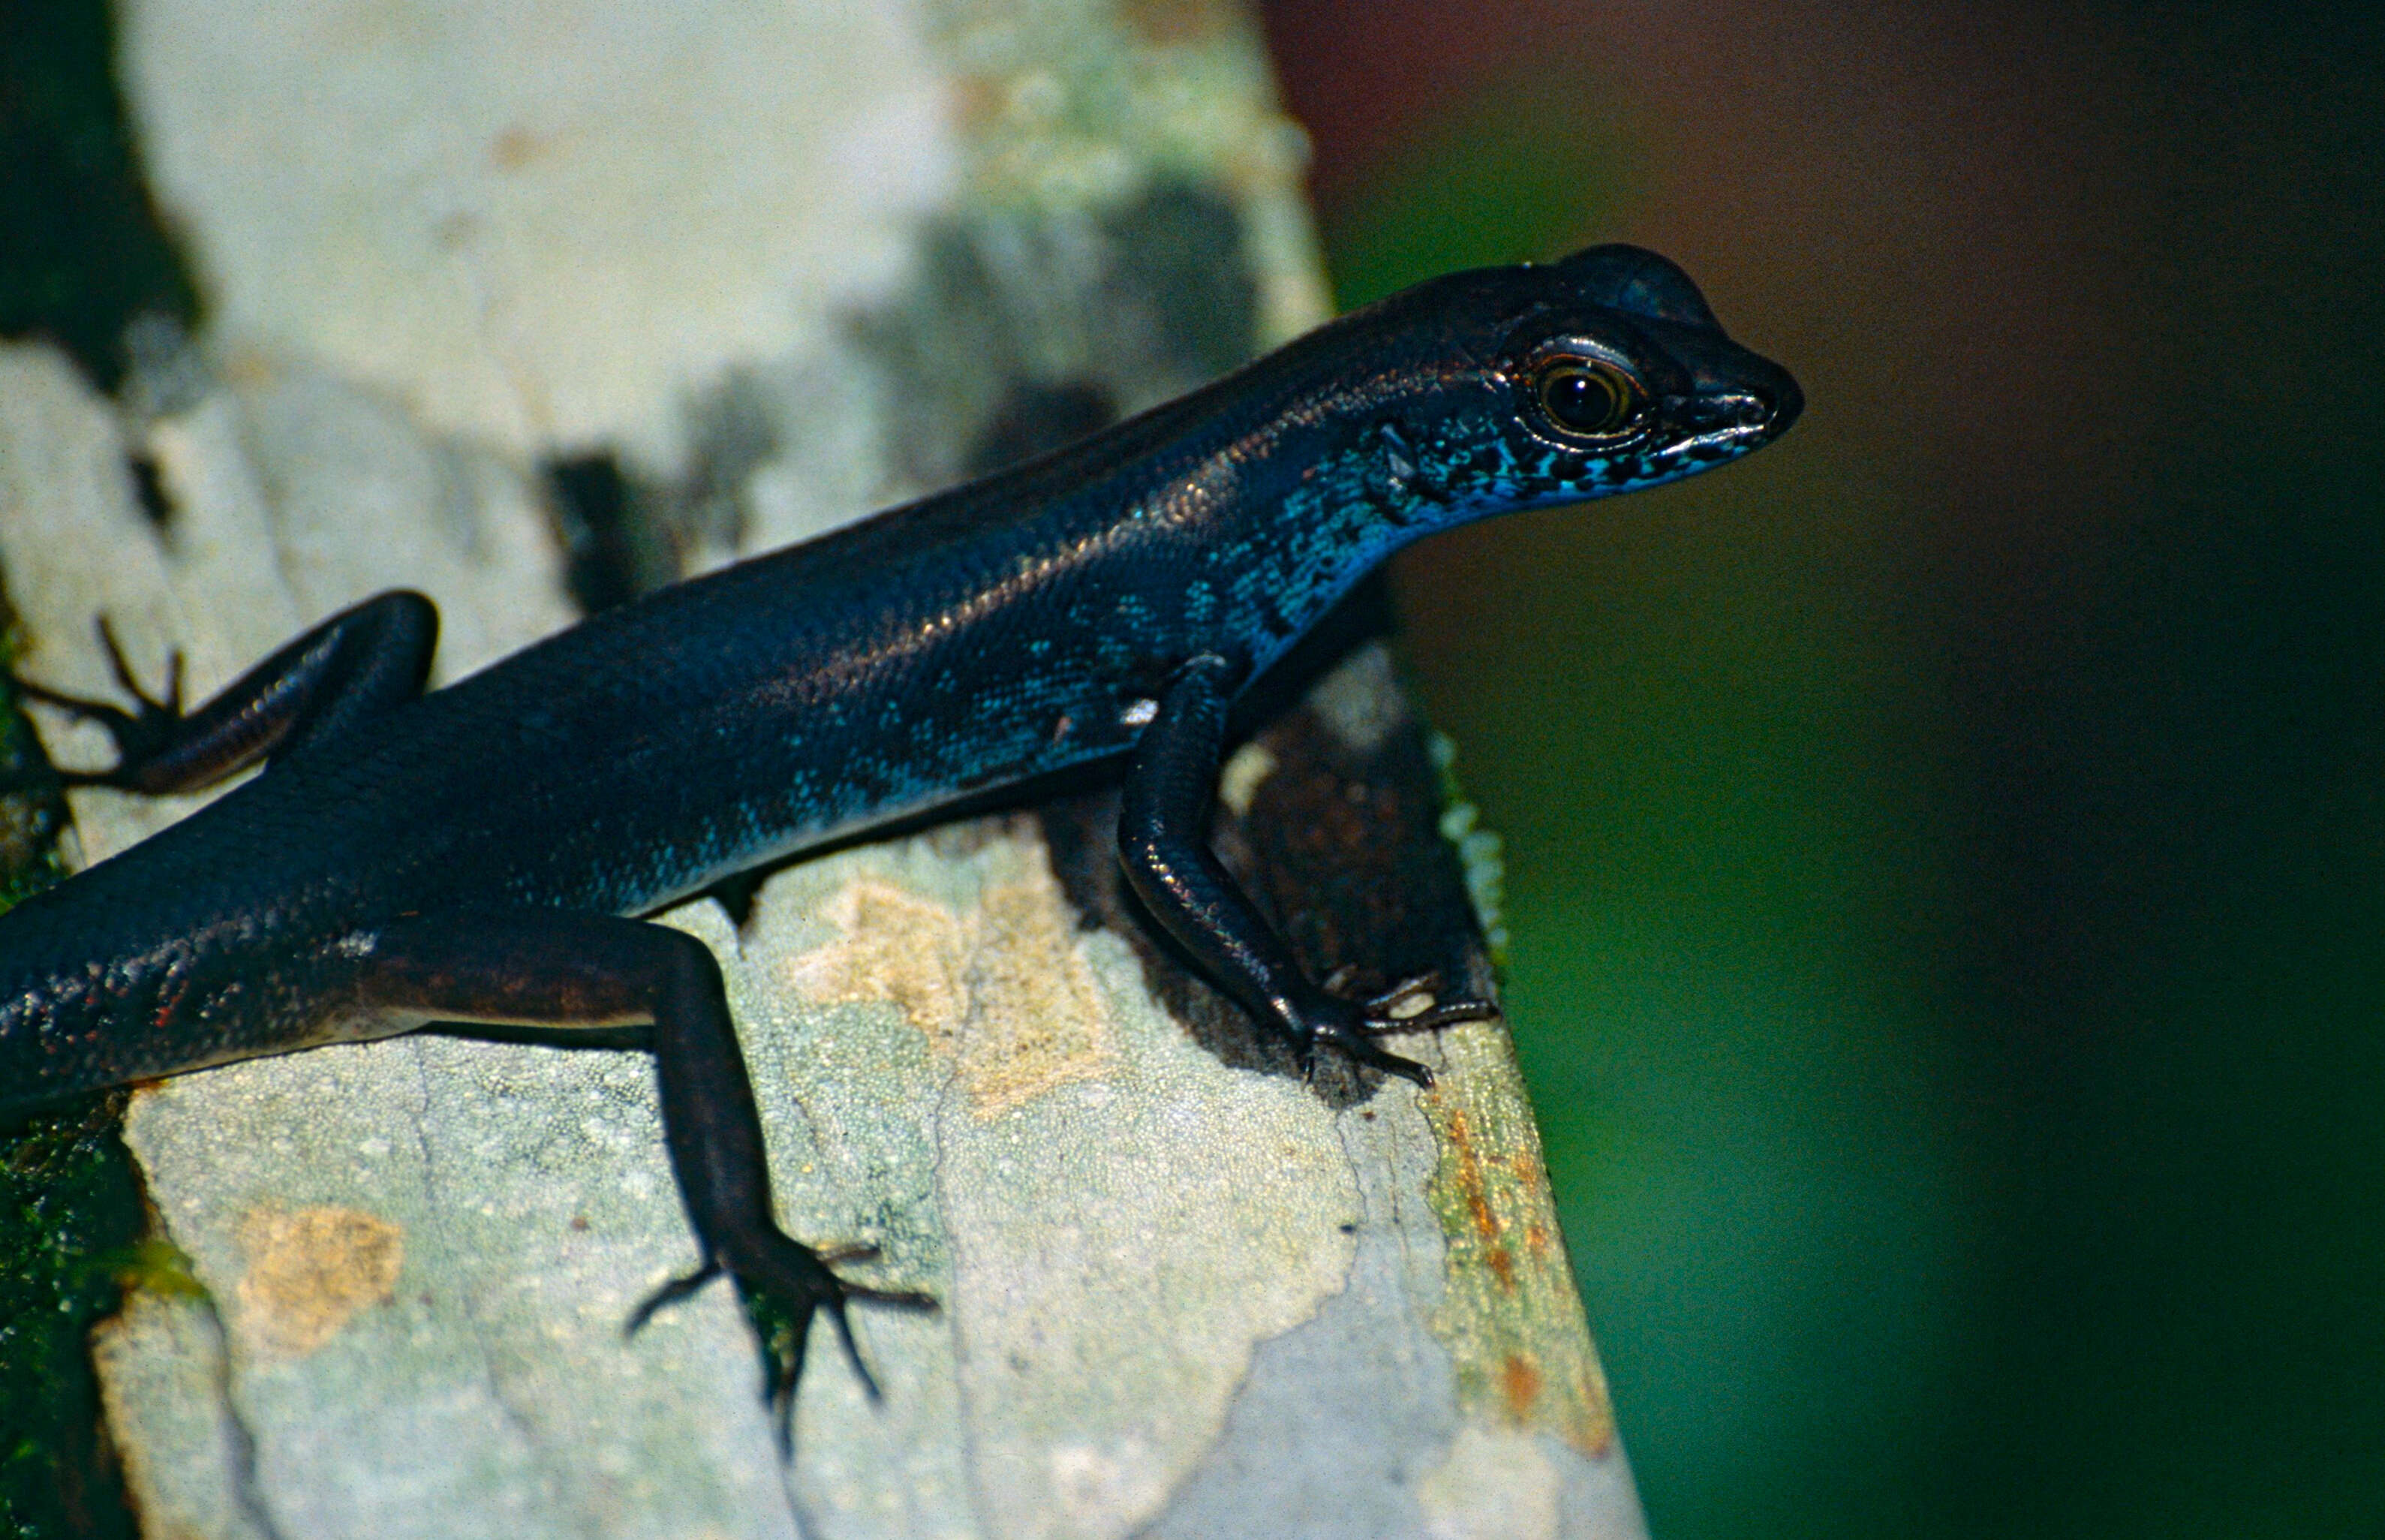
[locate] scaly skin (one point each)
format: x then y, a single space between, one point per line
462 853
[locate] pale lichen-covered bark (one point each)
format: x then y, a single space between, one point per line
784 263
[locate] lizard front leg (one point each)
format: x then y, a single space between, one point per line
345 672
1163 843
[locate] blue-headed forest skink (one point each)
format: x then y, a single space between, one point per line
479 854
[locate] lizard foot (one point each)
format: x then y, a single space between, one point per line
142 734
1413 1004
785 1283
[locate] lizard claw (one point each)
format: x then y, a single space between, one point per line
1358 1047
140 734
785 1283
1413 1004
171 706
671 1293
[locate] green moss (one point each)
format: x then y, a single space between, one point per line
70 1237
71 1222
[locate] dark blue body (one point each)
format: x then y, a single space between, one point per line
974 639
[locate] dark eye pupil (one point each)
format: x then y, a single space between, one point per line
1586 400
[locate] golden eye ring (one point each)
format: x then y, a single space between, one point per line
1585 397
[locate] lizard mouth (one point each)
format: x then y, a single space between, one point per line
1732 422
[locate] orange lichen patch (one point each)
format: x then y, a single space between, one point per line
1521 1384
311 1271
979 102
1486 1223
1468 1181
1510 1316
976 982
1032 1025
1458 1144
892 944
514 147
247 368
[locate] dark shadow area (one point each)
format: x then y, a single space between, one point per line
85 251
83 256
590 499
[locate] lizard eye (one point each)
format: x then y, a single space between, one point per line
1587 397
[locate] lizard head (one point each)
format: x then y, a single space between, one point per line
1600 373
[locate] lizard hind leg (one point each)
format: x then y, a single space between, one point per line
560 969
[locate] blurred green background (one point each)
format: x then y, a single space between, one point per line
1945 850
